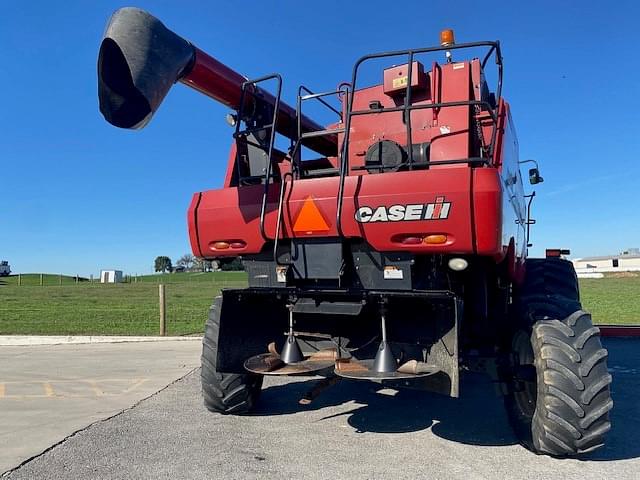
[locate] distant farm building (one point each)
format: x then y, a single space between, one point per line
110 276
627 261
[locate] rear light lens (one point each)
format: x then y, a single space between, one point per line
432 239
225 245
435 239
556 252
411 241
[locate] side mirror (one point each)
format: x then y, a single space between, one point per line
534 176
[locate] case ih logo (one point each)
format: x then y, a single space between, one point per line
438 210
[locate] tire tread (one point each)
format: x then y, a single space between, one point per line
573 383
227 393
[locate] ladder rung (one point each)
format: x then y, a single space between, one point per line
320 133
320 172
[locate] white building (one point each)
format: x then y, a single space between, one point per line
110 276
627 261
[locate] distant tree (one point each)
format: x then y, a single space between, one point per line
187 261
198 264
202 265
163 264
231 264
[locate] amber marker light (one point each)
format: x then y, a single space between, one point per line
435 239
220 245
446 37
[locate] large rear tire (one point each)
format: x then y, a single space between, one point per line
228 393
559 397
550 277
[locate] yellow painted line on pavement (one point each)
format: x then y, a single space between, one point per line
48 389
135 385
96 389
92 385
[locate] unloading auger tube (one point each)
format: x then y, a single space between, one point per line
140 59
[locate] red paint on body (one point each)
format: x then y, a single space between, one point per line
477 223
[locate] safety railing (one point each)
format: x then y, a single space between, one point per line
407 108
243 136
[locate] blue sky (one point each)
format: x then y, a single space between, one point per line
79 195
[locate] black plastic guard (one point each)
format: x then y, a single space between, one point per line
248 323
423 326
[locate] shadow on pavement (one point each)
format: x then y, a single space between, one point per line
476 418
623 441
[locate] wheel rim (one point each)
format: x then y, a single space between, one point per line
524 375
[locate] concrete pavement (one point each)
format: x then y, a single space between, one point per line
354 430
49 392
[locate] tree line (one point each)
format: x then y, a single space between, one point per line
191 263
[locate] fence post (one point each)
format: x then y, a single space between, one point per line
19 279
76 278
163 310
91 278
41 282
60 279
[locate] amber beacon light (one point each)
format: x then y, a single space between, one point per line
446 37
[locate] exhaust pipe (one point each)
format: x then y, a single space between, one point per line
140 59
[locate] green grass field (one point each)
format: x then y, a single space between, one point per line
132 308
28 279
614 300
111 309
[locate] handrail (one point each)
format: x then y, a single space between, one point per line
272 136
494 48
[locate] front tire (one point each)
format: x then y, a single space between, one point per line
227 393
574 399
559 386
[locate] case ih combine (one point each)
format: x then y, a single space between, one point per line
398 254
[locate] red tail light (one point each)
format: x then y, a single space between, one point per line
411 241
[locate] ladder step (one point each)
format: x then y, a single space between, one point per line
320 133
320 172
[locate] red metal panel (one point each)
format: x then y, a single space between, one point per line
619 330
475 221
487 212
233 214
191 224
450 129
448 132
231 164
395 79
369 129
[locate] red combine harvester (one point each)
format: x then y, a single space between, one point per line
397 255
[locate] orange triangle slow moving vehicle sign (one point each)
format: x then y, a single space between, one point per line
310 219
